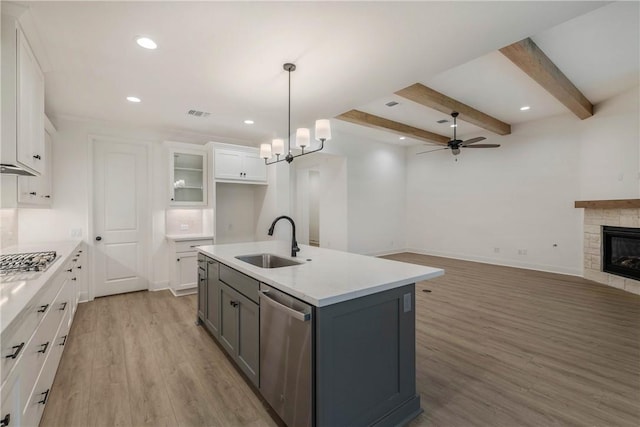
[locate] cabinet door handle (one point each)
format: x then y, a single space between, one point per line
33 193
233 303
74 278
47 196
46 396
64 306
5 421
64 340
43 308
79 267
37 156
17 349
69 270
44 346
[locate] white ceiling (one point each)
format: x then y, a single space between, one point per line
226 58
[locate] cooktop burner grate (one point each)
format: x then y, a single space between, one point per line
25 262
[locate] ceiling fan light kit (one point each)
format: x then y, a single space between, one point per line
303 135
455 144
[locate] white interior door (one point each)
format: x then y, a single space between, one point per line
120 217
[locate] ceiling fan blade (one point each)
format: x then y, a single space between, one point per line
429 151
473 140
483 146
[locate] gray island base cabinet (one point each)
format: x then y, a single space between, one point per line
365 361
363 371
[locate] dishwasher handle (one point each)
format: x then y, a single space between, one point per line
303 317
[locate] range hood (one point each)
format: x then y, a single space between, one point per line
15 170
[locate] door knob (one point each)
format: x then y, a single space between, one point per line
98 238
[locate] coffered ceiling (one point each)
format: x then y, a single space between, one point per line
226 58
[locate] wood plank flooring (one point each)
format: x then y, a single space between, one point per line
496 346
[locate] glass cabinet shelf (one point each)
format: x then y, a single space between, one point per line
188 182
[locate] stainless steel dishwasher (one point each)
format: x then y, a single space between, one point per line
286 371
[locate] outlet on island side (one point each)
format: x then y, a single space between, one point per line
184 227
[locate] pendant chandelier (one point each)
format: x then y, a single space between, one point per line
276 148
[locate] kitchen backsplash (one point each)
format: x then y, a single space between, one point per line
8 227
188 221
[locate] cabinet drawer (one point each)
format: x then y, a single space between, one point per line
39 394
189 245
240 282
16 338
43 342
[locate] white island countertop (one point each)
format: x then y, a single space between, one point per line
17 290
325 276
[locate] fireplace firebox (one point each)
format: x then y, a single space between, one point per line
621 251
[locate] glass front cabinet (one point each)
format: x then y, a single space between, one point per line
188 177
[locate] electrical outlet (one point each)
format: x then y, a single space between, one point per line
522 251
76 232
496 250
184 227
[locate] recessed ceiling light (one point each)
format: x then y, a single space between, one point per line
248 122
133 99
146 43
525 108
403 137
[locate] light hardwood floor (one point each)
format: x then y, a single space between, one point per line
496 346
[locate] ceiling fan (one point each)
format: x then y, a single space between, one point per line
455 144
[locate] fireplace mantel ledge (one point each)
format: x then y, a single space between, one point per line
608 204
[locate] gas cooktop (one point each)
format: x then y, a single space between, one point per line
26 262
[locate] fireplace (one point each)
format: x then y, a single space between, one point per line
621 251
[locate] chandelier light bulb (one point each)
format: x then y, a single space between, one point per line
323 130
277 146
302 137
265 151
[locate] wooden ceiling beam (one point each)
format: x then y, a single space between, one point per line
369 120
430 98
533 61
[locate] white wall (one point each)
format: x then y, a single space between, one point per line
332 200
520 196
236 212
375 174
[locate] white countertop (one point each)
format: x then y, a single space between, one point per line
329 277
183 237
16 291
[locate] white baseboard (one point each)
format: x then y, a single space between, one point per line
385 253
160 286
494 261
184 291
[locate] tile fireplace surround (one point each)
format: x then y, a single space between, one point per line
617 213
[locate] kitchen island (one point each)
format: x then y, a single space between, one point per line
345 355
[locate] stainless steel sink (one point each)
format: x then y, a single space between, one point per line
267 260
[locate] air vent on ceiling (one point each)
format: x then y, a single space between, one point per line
196 113
391 104
442 121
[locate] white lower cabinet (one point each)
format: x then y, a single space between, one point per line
31 350
185 266
10 410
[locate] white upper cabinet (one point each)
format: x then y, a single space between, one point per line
239 164
188 177
35 191
22 91
30 108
